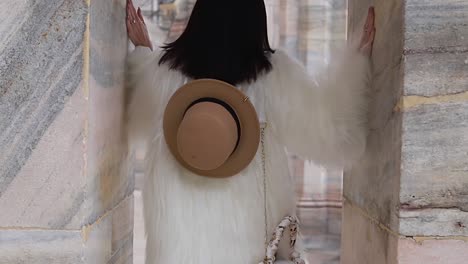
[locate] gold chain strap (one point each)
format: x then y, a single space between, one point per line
288 221
265 204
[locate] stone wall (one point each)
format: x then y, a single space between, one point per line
406 200
65 190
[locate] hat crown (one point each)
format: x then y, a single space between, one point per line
207 136
211 128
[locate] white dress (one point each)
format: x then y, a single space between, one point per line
196 220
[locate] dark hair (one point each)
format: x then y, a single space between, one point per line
225 40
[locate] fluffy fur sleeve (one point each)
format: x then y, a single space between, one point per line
141 79
322 117
150 87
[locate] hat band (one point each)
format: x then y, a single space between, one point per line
227 107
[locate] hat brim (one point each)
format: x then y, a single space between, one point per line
250 127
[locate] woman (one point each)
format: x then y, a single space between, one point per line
199 220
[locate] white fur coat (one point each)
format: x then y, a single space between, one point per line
195 220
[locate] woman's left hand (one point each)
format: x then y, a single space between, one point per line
368 34
136 27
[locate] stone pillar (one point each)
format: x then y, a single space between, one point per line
65 191
406 202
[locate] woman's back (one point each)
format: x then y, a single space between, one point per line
200 220
193 219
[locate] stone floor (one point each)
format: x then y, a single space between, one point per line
307 29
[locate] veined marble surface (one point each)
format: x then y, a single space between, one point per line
364 241
434 170
446 251
109 240
436 47
436 25
65 187
41 247
41 62
413 179
61 111
42 112
109 178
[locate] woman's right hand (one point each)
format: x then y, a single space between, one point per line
136 27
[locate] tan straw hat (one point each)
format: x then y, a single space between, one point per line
211 128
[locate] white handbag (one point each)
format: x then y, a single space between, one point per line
294 256
288 222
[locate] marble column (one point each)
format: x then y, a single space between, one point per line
406 202
65 188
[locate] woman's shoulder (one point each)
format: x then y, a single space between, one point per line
282 60
142 54
142 58
286 65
